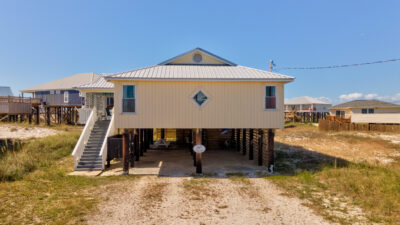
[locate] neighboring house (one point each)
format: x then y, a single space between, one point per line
195 91
368 111
61 92
5 91
13 106
306 104
99 94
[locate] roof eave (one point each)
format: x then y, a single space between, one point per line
287 80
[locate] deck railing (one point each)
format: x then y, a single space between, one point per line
110 132
83 139
15 99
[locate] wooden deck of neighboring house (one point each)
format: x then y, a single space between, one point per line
12 107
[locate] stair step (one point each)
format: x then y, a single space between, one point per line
91 151
94 145
87 159
89 163
88 168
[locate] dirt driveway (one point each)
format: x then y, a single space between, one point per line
173 200
230 194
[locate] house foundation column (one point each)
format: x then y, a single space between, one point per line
238 140
125 153
244 142
162 133
131 148
260 146
251 153
270 150
136 144
198 155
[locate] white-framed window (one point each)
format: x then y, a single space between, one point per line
52 92
367 111
270 97
58 92
340 113
129 99
66 97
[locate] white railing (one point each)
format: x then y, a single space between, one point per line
110 132
83 139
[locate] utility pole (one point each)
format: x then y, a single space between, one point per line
271 64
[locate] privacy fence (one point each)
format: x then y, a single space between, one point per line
328 125
305 117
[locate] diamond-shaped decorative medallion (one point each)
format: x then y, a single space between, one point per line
200 98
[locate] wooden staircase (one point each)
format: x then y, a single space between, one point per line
90 159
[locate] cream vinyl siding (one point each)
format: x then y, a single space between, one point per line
376 118
169 104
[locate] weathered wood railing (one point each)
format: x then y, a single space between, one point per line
83 139
110 132
15 99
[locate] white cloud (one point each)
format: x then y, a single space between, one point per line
370 96
351 96
394 98
354 96
325 99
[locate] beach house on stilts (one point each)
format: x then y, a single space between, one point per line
202 97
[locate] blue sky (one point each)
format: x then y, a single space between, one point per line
46 40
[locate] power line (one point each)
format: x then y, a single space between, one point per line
336 66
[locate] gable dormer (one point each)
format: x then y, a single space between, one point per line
197 56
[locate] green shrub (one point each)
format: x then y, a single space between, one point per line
36 153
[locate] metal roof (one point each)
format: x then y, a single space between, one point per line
199 73
5 91
304 100
66 83
99 83
365 103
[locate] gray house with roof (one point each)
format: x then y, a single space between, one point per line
368 111
5 91
61 92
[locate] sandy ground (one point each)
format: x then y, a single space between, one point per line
167 193
173 200
20 132
341 144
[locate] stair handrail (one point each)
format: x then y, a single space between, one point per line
110 132
83 139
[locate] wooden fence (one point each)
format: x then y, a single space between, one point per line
334 125
305 117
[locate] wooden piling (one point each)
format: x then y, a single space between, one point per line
162 133
37 114
251 153
244 142
198 155
238 140
232 139
136 143
260 146
271 160
131 148
48 116
125 153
